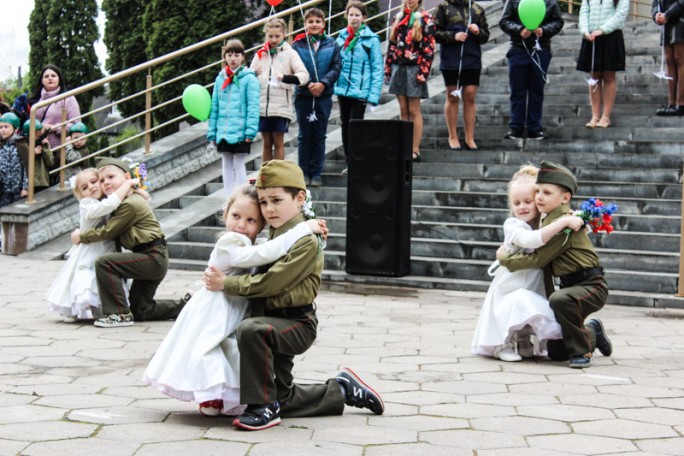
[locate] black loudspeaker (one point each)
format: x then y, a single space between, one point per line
379 197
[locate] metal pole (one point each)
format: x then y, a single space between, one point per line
31 156
62 150
680 284
148 113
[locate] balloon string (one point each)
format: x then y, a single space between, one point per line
536 60
460 62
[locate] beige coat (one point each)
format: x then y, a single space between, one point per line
276 100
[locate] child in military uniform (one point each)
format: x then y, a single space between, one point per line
134 226
284 324
78 149
45 159
572 258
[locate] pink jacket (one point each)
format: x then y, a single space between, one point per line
52 115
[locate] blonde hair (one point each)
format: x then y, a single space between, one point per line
77 180
275 23
417 28
249 191
526 174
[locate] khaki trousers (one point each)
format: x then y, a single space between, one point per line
267 349
147 269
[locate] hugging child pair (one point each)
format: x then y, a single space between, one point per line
515 308
73 294
282 318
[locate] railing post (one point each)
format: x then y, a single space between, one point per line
62 150
290 26
680 281
31 157
148 112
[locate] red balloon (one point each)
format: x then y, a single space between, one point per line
274 2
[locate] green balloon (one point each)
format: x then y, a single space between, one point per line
197 102
531 13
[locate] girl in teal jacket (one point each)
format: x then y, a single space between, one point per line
234 118
361 78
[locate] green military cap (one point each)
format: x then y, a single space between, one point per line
102 162
551 173
280 173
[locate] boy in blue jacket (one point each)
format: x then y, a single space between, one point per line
313 103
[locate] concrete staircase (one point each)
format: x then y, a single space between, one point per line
459 200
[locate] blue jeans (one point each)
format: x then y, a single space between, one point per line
527 88
311 139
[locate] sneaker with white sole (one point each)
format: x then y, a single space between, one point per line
258 417
507 353
358 394
115 321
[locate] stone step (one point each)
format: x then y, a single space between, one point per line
626 280
645 112
487 215
451 268
628 298
623 98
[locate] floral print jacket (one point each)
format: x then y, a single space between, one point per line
405 51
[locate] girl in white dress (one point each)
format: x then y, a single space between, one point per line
198 360
516 307
73 294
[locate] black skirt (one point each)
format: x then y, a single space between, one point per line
609 53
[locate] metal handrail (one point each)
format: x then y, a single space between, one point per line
146 66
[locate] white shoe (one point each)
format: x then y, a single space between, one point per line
506 353
69 319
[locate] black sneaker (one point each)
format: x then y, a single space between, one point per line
667 110
514 134
536 135
580 362
602 342
258 417
358 394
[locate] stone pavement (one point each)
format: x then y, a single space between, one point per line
73 389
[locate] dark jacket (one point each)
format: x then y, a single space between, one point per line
452 16
326 61
673 31
511 25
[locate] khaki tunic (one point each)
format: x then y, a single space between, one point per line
563 255
268 344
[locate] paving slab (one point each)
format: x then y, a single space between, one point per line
83 384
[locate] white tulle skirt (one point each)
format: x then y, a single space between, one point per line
198 360
514 301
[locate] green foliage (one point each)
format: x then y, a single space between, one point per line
171 25
130 146
63 34
38 52
124 37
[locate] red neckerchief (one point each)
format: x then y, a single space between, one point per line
405 19
229 77
267 48
312 38
351 32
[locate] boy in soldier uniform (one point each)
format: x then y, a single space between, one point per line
572 258
284 323
134 226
